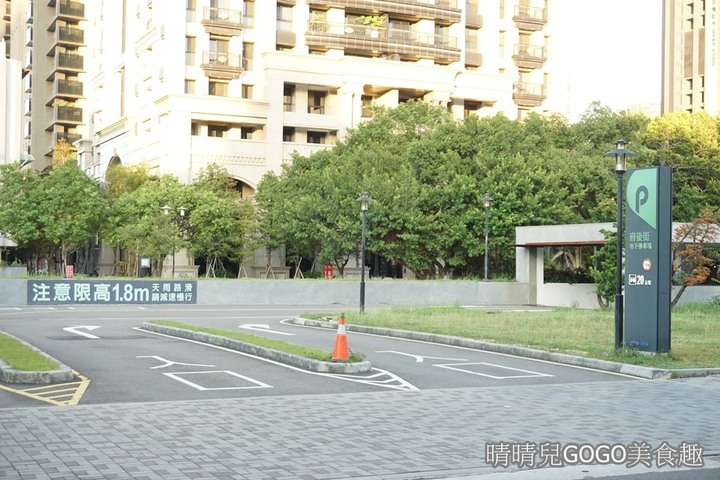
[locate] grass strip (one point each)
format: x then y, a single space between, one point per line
21 357
306 352
695 338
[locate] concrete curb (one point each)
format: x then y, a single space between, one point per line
616 367
263 352
10 375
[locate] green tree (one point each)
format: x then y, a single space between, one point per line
219 224
603 269
137 221
690 144
72 209
20 201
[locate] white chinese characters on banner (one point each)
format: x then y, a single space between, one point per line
59 292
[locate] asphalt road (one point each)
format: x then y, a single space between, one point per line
160 407
126 364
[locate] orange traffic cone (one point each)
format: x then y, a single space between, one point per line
341 352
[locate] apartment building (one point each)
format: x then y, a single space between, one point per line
690 56
244 84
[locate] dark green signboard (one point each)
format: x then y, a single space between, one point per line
648 259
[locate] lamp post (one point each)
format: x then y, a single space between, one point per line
166 210
25 159
487 200
364 203
620 153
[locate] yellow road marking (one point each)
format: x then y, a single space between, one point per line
52 393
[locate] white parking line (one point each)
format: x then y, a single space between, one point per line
455 366
255 383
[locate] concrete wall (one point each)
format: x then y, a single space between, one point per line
377 292
13 292
341 292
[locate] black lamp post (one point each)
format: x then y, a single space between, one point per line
364 203
487 200
620 153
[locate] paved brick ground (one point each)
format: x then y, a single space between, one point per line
385 435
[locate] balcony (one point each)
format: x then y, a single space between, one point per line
70 138
473 20
446 10
67 37
222 21
222 65
529 18
473 59
8 10
69 61
527 94
529 56
68 10
65 115
68 88
150 38
382 41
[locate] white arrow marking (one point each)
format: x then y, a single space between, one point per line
259 327
83 334
419 358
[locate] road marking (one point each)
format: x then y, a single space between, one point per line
421 358
82 334
372 379
170 362
531 374
58 394
380 378
262 327
177 376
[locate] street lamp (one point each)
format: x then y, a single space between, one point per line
166 210
620 153
25 159
364 203
487 200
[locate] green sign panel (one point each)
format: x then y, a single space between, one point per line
648 259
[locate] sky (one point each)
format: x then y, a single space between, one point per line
620 63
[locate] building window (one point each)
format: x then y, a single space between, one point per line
288 134
316 137
284 18
189 50
289 98
218 46
194 129
219 89
471 108
217 130
246 133
471 39
249 13
366 101
316 102
247 56
190 11
189 86
247 91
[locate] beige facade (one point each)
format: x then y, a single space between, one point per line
690 56
244 84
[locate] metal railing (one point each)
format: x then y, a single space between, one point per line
222 16
221 59
527 12
366 32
